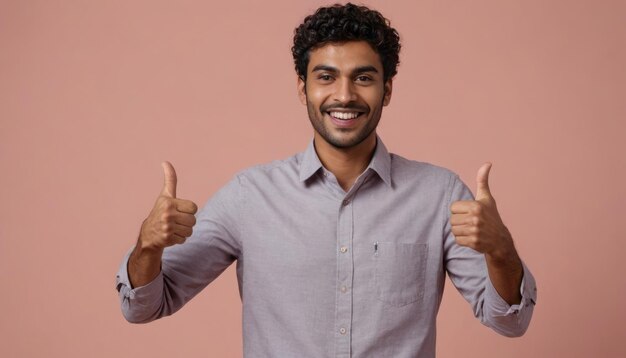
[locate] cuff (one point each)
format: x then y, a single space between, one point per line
528 291
123 286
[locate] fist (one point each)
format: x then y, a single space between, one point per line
477 223
171 220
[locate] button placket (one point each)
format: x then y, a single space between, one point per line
345 270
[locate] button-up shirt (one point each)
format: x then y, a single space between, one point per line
325 272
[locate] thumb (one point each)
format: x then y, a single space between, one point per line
169 186
482 182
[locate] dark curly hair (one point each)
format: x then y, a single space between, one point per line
339 23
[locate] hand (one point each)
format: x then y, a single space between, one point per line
477 223
171 220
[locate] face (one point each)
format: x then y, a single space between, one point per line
344 92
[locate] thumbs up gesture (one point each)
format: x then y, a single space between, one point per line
477 223
171 219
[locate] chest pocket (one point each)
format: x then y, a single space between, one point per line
400 272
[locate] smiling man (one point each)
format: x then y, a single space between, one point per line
342 250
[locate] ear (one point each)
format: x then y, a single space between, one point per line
388 90
302 90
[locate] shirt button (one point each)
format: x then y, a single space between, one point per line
343 249
342 330
346 202
344 289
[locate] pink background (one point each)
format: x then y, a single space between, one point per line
94 95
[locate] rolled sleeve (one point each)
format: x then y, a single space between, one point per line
528 291
140 302
511 320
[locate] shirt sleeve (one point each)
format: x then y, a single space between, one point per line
468 272
189 267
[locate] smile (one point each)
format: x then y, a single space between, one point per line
344 119
344 115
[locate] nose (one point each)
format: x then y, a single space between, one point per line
345 91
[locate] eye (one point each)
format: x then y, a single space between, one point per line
325 77
363 79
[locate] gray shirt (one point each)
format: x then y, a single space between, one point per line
327 273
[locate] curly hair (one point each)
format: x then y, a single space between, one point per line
340 23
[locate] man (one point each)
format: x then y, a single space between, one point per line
342 249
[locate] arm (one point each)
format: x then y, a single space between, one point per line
153 284
490 275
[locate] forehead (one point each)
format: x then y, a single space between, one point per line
345 56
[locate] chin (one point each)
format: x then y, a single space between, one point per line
345 142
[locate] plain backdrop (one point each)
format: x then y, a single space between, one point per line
95 94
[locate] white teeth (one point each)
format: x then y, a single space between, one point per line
342 115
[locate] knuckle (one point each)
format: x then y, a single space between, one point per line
166 228
169 204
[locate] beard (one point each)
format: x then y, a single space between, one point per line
353 136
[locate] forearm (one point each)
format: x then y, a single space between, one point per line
506 272
144 265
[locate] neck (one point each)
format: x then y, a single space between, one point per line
346 163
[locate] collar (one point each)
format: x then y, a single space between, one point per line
380 163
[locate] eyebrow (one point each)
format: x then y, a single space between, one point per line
332 69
